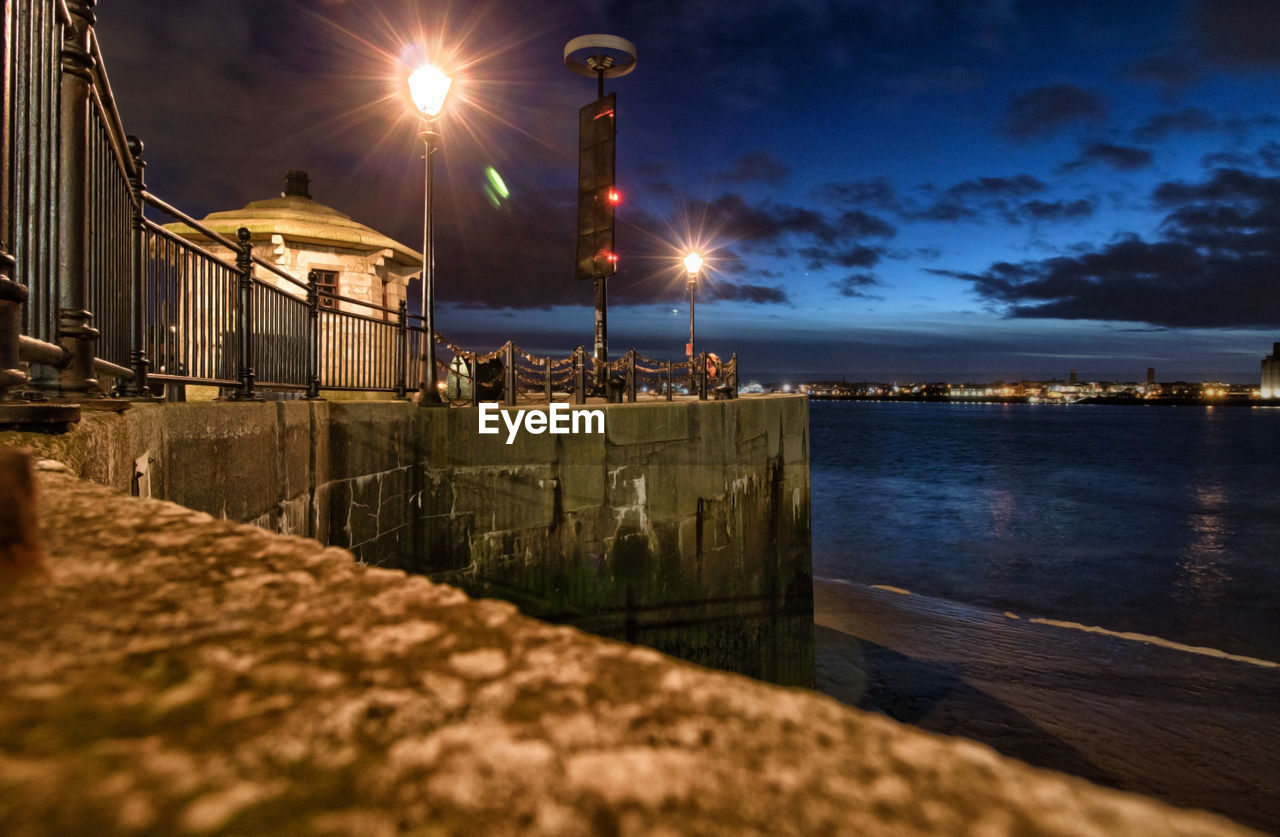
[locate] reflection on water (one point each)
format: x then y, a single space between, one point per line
1161 520
768 637
1205 566
1003 508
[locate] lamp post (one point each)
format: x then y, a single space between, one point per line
692 264
428 86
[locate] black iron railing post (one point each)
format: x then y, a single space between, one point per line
509 370
579 377
137 388
546 385
671 381
631 376
702 376
244 315
75 334
12 295
474 367
402 350
313 338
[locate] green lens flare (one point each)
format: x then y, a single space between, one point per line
496 181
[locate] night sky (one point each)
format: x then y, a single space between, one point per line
973 189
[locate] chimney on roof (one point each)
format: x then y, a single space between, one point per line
296 184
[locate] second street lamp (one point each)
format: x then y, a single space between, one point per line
428 86
692 264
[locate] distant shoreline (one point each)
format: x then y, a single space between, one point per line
1172 401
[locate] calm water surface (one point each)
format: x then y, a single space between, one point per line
1161 520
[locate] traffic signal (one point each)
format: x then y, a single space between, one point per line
597 194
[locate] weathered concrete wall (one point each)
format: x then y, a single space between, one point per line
178 675
684 526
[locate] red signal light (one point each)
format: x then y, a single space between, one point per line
615 197
612 258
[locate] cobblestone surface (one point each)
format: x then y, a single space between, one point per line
176 674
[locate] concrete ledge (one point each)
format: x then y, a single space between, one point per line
176 674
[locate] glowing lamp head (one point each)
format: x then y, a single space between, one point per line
615 197
693 263
428 86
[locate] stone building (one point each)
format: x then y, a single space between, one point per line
298 235
1271 373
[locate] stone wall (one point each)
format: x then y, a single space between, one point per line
685 525
171 674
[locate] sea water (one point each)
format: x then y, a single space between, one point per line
1153 519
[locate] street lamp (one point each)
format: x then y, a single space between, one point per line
428 87
692 264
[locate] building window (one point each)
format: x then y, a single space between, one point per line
326 283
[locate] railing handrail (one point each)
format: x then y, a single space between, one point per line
100 90
278 272
362 302
184 242
361 317
150 199
204 230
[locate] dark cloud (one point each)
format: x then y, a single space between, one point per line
755 294
992 187
1038 210
1270 155
855 256
1171 75
1226 159
1226 186
876 193
1185 121
735 219
947 211
1213 265
859 224
852 286
975 199
1241 34
1045 111
755 166
1121 157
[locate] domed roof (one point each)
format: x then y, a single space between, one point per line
297 218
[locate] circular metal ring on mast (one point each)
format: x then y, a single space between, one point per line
606 52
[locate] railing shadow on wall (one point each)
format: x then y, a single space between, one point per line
92 289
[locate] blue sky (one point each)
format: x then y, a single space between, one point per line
942 190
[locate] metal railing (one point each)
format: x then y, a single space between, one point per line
29 155
89 284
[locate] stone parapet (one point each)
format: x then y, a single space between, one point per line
176 674
684 525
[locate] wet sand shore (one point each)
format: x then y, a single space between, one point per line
1193 729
